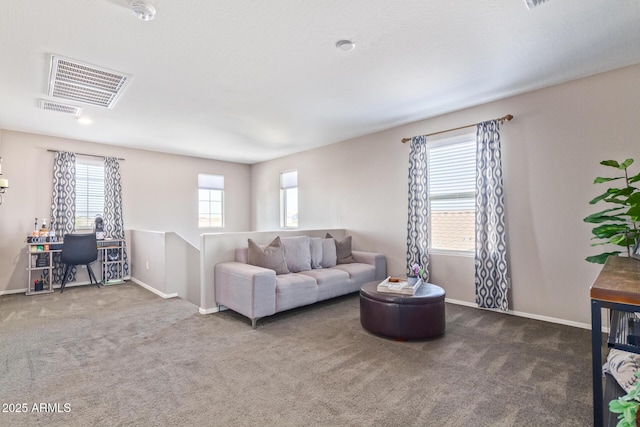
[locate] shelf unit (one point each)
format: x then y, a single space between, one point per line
43 272
110 259
616 288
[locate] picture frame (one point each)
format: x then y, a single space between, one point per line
635 252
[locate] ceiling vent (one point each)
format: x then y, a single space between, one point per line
60 108
85 83
533 3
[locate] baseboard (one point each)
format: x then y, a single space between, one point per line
14 291
152 289
210 310
527 315
55 286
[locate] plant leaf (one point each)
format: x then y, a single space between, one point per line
626 164
600 259
609 230
620 240
616 201
600 179
615 192
616 406
634 210
600 197
634 213
634 199
610 163
604 212
597 218
634 178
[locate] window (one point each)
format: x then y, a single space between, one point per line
89 191
210 200
289 199
452 182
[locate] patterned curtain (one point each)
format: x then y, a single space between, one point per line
63 205
113 221
418 221
491 248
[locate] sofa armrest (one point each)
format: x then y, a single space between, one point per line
246 289
378 260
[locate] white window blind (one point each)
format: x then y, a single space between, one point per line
452 181
210 200
288 179
89 191
289 199
210 182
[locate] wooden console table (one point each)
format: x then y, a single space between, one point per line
617 288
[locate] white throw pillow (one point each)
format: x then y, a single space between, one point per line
329 257
622 365
297 253
316 252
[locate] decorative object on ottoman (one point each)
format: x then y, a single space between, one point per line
398 286
416 273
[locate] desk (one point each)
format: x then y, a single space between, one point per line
617 288
41 263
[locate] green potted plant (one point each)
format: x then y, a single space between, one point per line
616 225
627 406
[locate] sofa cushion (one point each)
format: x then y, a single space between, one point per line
331 282
343 250
242 255
295 290
358 272
315 246
297 253
271 257
328 253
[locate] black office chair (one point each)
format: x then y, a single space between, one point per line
79 249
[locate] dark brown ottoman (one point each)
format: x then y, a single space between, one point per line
403 316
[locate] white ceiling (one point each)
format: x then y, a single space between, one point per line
249 80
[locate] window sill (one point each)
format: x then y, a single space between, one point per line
449 252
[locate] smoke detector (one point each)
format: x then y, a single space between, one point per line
533 3
144 11
345 45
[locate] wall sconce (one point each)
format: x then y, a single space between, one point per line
4 183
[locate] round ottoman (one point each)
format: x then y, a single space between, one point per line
403 316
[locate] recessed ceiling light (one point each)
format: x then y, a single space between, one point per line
345 45
144 11
85 120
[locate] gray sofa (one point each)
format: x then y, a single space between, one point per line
309 270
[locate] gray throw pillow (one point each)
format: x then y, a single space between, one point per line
297 253
271 257
315 244
343 250
328 253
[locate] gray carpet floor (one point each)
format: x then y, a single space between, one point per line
120 355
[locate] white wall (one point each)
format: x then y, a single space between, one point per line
159 193
166 264
551 154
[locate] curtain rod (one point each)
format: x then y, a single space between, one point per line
506 118
83 154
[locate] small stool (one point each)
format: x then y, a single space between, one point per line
403 316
